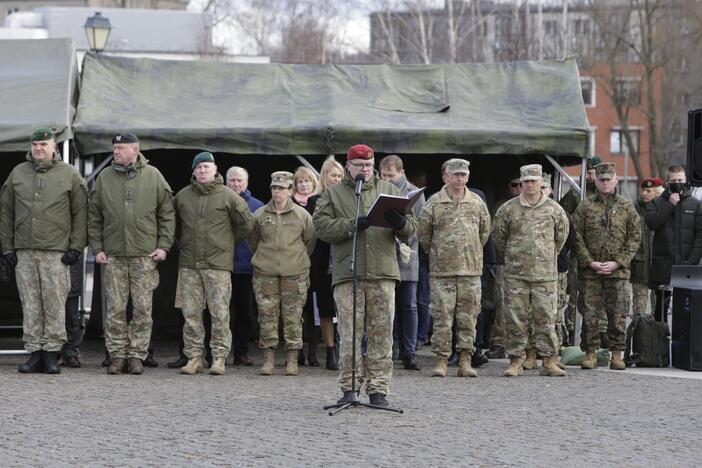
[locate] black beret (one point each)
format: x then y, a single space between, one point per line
124 138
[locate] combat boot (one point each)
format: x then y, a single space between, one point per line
515 366
268 361
217 366
291 366
194 366
530 361
464 365
616 362
590 361
50 360
117 366
550 368
560 364
33 365
136 367
441 367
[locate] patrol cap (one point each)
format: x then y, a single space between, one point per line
593 161
360 152
546 181
531 172
43 133
605 171
202 157
652 183
124 138
282 179
456 165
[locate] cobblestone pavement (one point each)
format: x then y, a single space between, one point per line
85 417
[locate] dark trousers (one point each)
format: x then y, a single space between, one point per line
660 313
405 324
423 314
74 330
240 313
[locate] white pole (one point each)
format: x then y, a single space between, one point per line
65 152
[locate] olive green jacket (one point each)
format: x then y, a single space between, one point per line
282 242
454 233
375 254
211 218
606 230
44 208
131 211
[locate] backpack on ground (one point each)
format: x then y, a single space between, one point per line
647 343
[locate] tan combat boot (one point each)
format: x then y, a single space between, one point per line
464 367
515 367
551 368
291 364
441 367
268 361
530 361
218 366
194 366
616 362
590 361
559 363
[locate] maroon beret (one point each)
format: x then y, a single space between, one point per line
359 152
650 183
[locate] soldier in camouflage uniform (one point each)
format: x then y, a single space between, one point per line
453 228
608 233
376 267
131 229
43 207
529 232
282 241
211 218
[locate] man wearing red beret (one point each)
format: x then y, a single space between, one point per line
376 268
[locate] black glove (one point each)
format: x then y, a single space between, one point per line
11 259
363 223
395 219
70 257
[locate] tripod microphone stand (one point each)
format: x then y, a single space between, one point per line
353 400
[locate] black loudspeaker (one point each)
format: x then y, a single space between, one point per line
687 329
694 147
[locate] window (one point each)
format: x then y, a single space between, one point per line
503 26
628 91
617 141
587 87
550 27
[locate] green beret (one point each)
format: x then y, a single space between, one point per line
124 138
202 157
43 133
593 161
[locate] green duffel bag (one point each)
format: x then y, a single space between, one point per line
573 356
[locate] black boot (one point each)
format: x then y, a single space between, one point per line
378 399
478 358
312 350
410 363
332 361
453 359
33 365
349 396
496 352
178 363
301 357
50 360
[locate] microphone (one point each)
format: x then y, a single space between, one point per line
359 184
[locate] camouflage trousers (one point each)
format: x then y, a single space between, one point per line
455 298
530 304
558 321
124 277
640 299
497 331
572 291
605 300
43 283
200 289
280 297
375 310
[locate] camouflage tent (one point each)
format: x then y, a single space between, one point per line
38 88
275 109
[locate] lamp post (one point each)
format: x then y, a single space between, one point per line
97 29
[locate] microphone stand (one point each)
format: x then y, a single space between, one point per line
353 400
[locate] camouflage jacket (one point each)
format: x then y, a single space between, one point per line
282 242
571 200
211 218
44 208
375 254
131 211
529 238
454 233
606 230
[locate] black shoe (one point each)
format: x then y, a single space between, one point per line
332 361
178 363
50 359
71 361
300 357
33 365
312 356
150 361
496 352
348 397
410 363
378 399
243 360
453 359
478 359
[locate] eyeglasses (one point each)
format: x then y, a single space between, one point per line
514 185
369 165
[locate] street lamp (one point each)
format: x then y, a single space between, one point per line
97 29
